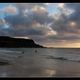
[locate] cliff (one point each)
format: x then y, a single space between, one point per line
9 42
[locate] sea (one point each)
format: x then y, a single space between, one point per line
40 62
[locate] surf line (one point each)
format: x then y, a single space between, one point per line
21 55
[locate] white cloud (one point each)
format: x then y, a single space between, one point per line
39 10
61 5
9 9
47 4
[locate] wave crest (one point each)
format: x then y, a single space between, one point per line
64 58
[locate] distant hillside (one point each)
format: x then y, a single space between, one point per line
9 42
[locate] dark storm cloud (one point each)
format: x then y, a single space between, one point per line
63 23
75 16
67 26
27 32
42 18
30 16
59 25
18 19
74 6
22 24
28 19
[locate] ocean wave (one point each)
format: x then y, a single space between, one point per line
10 51
65 58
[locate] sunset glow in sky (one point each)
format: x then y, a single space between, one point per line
48 24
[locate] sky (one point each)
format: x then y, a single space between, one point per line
48 24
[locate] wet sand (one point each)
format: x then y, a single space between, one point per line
40 68
31 64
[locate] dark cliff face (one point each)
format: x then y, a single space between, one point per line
9 42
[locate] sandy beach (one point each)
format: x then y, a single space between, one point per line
35 65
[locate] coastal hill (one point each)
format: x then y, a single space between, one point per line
9 42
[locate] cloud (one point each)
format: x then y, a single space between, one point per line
38 9
3 24
75 16
23 6
67 23
1 21
35 13
65 37
61 5
34 30
9 9
67 26
35 22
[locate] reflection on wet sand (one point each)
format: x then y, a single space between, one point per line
50 72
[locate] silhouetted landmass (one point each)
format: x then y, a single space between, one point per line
9 42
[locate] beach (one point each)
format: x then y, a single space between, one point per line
38 64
